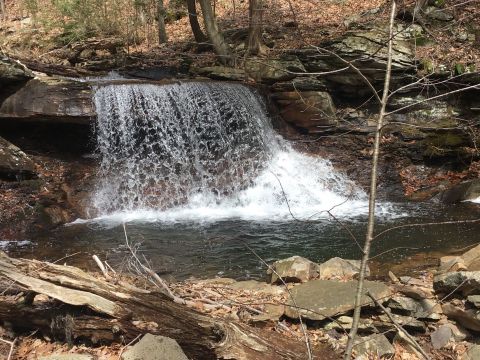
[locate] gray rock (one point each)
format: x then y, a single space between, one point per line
458 333
293 269
271 312
155 347
12 71
436 14
338 268
401 339
469 319
343 323
14 163
464 282
421 309
273 70
383 323
67 357
256 286
320 299
473 353
465 191
441 337
300 84
376 345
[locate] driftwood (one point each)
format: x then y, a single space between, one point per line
81 307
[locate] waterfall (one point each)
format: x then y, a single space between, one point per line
200 151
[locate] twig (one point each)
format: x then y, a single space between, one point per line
101 266
12 346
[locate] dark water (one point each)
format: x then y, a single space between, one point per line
220 248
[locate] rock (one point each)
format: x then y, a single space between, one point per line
393 278
441 337
436 14
320 299
222 73
309 110
473 353
343 323
459 334
51 99
407 345
451 263
14 163
293 269
383 323
420 309
469 319
376 345
338 268
12 71
471 258
300 84
475 300
464 282
155 347
270 313
465 191
272 70
413 291
256 286
67 357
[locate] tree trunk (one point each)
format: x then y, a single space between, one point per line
162 33
193 18
214 34
91 309
255 44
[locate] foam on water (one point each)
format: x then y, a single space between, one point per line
207 152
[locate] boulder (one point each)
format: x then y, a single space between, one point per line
469 319
272 70
51 99
14 163
309 110
338 268
465 191
12 71
376 345
155 347
293 269
321 299
464 282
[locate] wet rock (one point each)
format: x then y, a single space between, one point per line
256 286
67 357
320 299
441 337
376 344
338 268
51 99
14 163
12 71
293 269
155 347
343 323
469 319
272 70
473 353
421 309
464 282
309 110
222 73
465 191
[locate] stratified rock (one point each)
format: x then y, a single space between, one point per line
12 71
300 84
256 286
473 353
465 191
67 357
155 347
51 99
14 163
273 70
383 323
320 299
222 73
469 319
441 337
338 268
420 309
293 269
464 282
376 345
309 110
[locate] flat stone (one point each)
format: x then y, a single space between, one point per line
441 337
67 357
376 345
464 282
473 353
421 309
469 319
338 268
257 286
320 299
343 323
293 269
222 73
383 323
155 347
452 263
458 333
271 312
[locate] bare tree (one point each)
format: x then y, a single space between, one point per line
255 44
162 32
373 193
218 41
198 34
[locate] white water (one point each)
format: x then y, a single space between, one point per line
207 152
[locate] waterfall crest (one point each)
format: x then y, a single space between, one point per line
201 150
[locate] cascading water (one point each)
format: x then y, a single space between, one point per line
206 151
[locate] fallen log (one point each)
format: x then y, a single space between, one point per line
81 307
